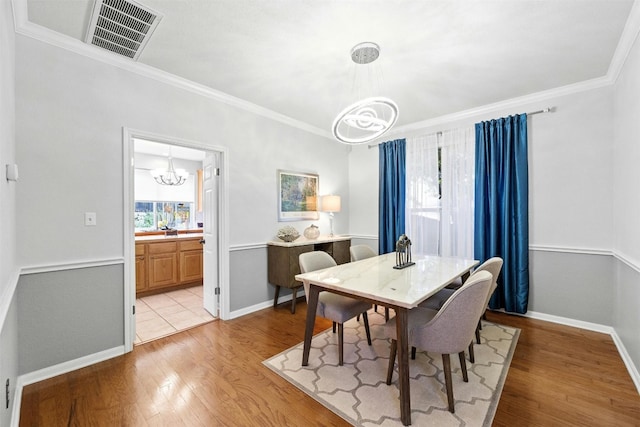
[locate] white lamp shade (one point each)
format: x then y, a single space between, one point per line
330 203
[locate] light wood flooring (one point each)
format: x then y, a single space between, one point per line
212 375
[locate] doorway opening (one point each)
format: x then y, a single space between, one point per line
168 224
174 237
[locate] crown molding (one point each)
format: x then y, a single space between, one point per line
512 103
37 32
625 44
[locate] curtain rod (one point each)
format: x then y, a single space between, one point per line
544 110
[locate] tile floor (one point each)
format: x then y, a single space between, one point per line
164 314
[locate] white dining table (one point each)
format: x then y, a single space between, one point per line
375 280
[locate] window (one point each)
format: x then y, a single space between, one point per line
439 193
150 216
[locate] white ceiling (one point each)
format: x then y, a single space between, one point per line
437 57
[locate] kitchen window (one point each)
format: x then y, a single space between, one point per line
151 216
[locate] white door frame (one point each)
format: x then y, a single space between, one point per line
128 136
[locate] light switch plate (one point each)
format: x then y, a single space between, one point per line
89 218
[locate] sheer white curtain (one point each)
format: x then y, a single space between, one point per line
422 204
457 173
439 193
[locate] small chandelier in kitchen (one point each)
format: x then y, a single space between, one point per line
170 175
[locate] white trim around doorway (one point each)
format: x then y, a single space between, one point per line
128 136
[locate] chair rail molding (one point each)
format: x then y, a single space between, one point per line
73 265
570 250
634 264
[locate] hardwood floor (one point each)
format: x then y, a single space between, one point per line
213 375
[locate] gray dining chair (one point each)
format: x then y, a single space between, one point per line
446 331
492 265
334 307
359 252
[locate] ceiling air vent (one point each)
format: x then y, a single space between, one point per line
123 27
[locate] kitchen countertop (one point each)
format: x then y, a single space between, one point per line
160 237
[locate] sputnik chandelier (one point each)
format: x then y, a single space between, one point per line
368 118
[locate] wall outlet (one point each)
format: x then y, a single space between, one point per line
90 218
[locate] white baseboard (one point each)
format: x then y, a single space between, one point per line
631 367
596 327
260 306
626 358
59 369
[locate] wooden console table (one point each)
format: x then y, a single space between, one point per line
283 260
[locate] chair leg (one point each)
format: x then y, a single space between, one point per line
392 360
472 356
463 366
478 332
413 353
365 318
340 344
446 366
334 327
386 314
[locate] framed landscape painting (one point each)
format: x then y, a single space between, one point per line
297 196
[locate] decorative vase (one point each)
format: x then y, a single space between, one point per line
312 232
288 234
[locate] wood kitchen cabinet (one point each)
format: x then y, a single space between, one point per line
190 261
167 263
141 268
283 265
163 264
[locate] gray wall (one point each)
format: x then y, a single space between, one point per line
65 315
72 121
584 202
626 315
248 268
570 183
572 285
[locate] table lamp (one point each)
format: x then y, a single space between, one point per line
331 204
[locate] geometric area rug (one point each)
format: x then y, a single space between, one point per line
357 391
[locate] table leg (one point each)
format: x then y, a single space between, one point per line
465 276
403 365
312 306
